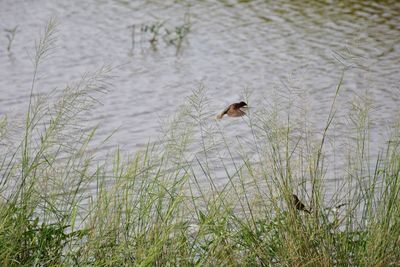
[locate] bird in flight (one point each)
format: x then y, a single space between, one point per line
234 110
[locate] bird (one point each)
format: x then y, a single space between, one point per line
234 110
298 204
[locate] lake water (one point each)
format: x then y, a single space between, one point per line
275 49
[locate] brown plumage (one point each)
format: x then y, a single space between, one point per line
234 110
298 204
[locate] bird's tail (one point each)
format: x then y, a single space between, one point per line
219 116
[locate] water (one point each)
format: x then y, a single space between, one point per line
276 49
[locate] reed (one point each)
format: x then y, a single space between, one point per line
200 196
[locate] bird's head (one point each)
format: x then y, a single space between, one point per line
242 104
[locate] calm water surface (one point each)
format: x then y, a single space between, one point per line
275 49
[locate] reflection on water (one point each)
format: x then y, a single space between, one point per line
280 50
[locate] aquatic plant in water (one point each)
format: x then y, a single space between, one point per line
10 36
167 206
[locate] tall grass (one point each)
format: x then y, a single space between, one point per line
200 196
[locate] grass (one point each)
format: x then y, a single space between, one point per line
167 206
